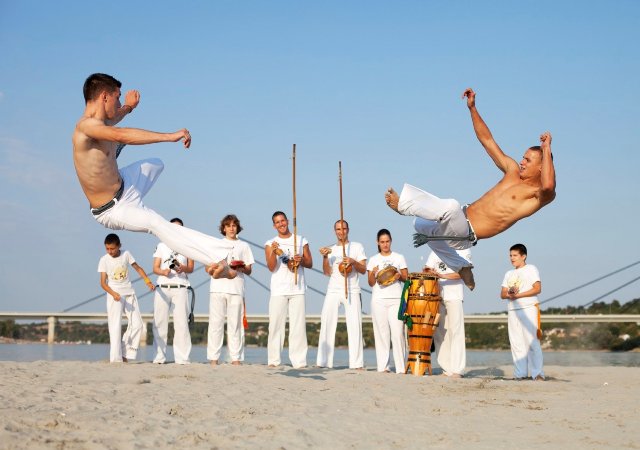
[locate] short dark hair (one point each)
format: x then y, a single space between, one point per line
97 83
520 248
177 220
338 221
537 148
383 232
277 213
227 220
112 238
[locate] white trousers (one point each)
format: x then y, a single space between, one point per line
231 307
278 307
129 213
437 217
163 299
388 331
123 344
328 324
525 345
449 337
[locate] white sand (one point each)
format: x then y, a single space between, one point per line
80 405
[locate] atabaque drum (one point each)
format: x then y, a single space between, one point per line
423 304
386 276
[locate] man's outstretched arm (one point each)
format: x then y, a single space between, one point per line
485 137
133 136
548 172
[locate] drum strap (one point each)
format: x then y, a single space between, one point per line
402 310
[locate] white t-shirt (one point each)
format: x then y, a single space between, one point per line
117 270
523 278
354 250
282 279
393 290
241 251
167 255
450 289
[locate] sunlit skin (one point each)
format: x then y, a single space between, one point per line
341 230
281 225
518 261
384 244
524 188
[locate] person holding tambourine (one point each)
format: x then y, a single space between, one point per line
387 271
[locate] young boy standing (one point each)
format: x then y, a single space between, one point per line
521 287
114 279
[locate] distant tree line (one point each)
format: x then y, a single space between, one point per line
556 336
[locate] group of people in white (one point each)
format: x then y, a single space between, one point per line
287 256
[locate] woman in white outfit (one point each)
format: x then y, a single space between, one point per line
388 331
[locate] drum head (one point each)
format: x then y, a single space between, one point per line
386 276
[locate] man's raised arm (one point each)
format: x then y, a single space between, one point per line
131 100
485 137
548 171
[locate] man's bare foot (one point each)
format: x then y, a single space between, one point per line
213 362
467 276
455 375
272 366
236 363
392 198
539 378
221 270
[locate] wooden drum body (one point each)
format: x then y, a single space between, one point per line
423 304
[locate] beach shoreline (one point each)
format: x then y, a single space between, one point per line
69 404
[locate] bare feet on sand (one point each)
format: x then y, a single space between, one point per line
392 198
236 363
467 276
221 270
213 362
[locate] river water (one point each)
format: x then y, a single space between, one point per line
258 355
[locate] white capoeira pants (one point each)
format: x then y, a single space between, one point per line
328 324
229 307
278 306
123 344
129 213
388 331
525 345
163 299
437 217
449 338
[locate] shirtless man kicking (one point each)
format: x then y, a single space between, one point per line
115 195
523 190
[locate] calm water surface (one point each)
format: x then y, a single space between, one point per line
258 355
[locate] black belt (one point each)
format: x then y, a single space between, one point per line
173 286
100 209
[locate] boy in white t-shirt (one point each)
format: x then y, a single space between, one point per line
114 279
226 297
521 287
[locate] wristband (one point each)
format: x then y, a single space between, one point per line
130 109
147 280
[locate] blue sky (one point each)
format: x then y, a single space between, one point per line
373 84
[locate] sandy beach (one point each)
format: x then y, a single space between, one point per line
79 405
